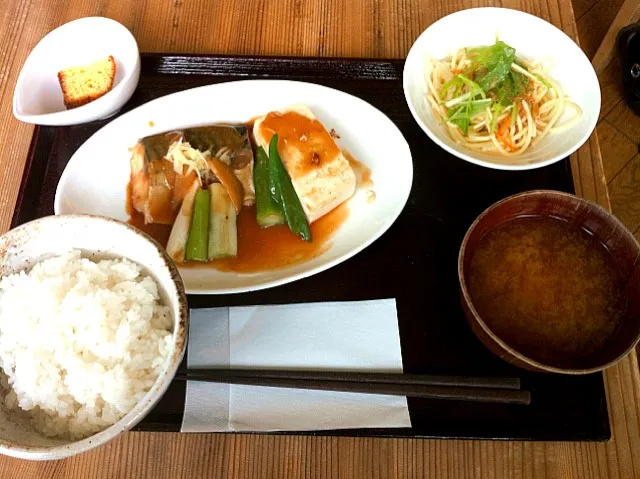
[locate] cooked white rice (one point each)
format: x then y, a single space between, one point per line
81 342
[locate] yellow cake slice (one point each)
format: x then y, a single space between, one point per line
85 83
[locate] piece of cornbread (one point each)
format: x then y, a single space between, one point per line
83 84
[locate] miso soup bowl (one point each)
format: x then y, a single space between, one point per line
579 214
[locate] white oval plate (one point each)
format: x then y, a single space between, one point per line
96 177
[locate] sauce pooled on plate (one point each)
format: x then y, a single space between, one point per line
547 290
259 249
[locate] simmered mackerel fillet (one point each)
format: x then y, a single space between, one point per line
321 175
157 190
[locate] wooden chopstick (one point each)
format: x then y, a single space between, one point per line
369 377
477 394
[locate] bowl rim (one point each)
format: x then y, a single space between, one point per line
478 318
159 387
94 109
412 57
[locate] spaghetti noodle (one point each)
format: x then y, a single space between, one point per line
493 102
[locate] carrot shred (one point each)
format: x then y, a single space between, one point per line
503 133
503 128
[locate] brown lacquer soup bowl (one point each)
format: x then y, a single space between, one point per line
551 282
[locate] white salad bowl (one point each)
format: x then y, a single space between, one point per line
96 237
533 39
38 98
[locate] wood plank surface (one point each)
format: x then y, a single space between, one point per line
580 7
625 120
610 80
616 149
597 19
356 28
628 14
625 194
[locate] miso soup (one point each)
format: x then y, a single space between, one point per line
546 289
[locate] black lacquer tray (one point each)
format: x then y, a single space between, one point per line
415 261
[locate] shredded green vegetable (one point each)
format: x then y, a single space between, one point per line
475 88
543 80
463 114
491 81
514 114
496 110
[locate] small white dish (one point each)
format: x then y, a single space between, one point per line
533 38
96 237
369 135
38 98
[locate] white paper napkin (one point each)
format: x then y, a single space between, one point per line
359 335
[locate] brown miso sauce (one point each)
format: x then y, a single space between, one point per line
303 136
275 247
362 171
549 291
258 249
158 232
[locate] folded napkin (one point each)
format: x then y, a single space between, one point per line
359 335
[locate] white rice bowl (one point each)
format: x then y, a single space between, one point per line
81 342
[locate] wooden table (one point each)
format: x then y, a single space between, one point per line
352 28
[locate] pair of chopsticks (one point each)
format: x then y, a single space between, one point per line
494 390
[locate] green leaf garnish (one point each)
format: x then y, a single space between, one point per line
491 64
514 85
457 85
475 89
458 82
488 82
462 114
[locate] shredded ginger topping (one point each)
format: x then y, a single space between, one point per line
182 154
